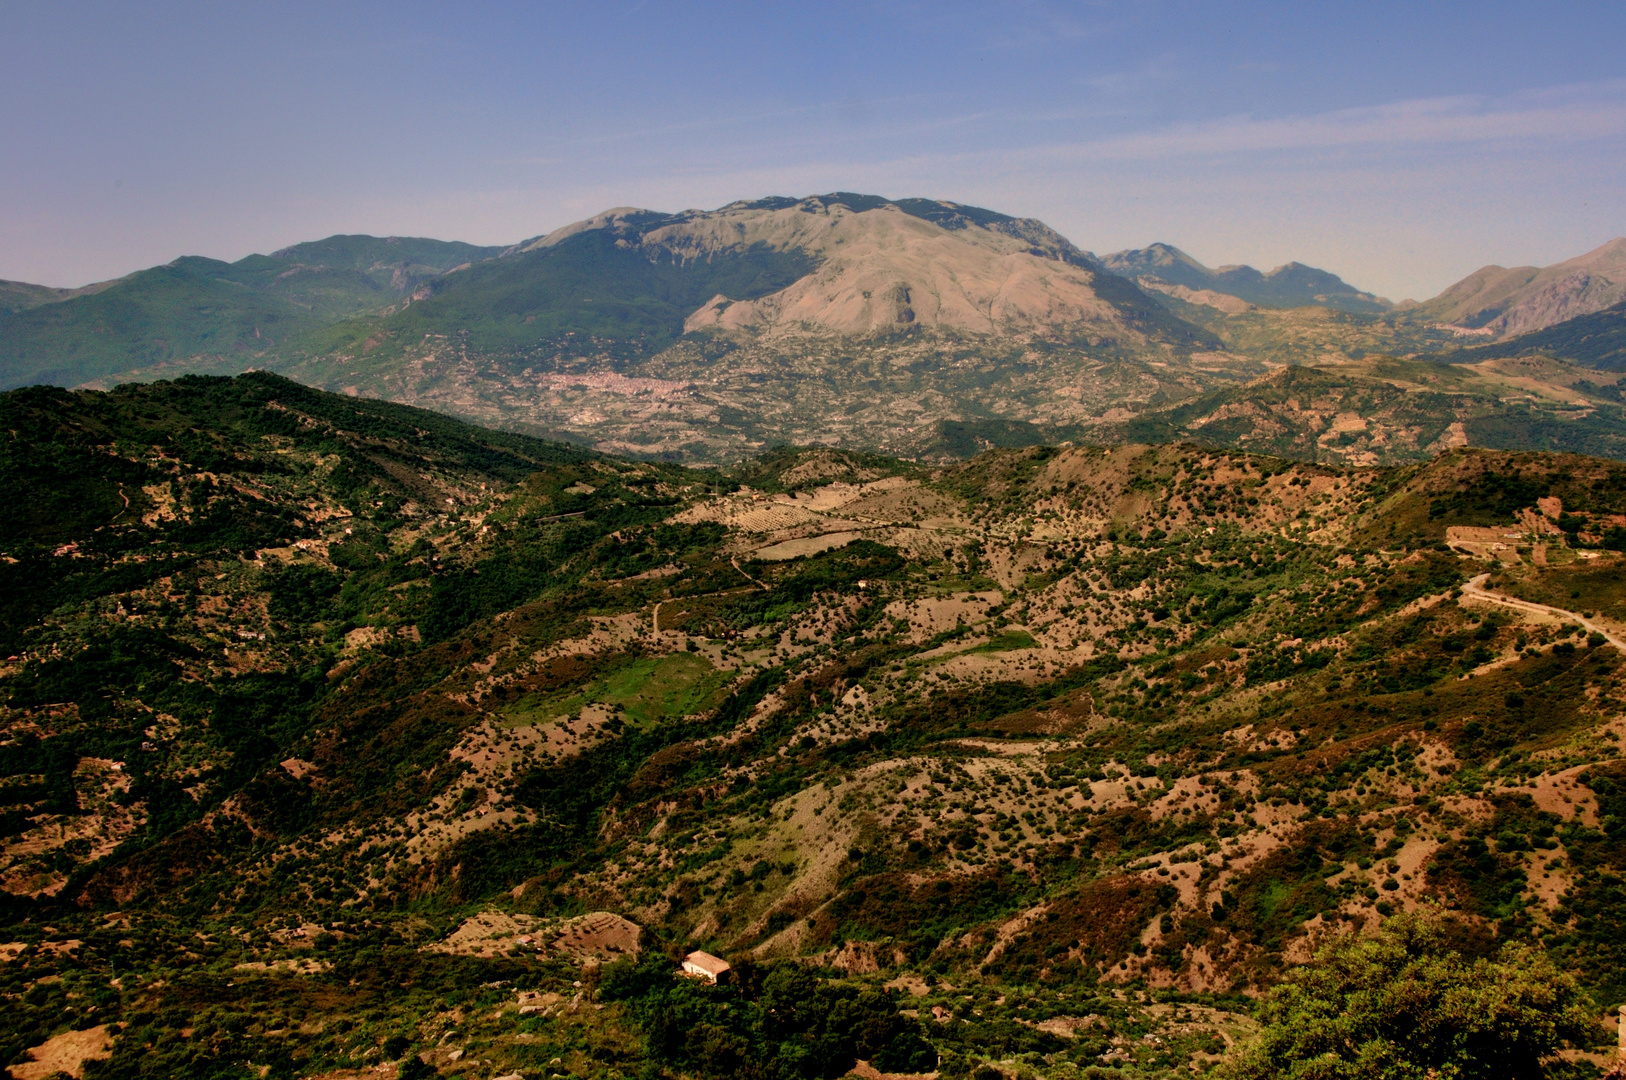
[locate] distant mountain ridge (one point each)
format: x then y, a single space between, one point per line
1504 303
1291 285
842 263
952 216
395 262
626 282
20 295
912 326
199 306
1596 340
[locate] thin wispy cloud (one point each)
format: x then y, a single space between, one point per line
1399 142
1590 111
1134 80
1042 23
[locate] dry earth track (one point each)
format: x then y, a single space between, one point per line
1476 588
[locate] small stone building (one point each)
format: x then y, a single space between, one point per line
703 965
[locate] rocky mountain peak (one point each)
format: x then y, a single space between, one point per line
878 264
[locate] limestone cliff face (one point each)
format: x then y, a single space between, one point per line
1507 302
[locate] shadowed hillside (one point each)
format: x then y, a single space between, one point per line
1596 341
202 314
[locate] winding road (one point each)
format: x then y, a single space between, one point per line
1476 589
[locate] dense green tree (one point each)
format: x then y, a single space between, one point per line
1403 1005
774 1021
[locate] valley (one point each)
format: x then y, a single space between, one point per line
868 541
914 394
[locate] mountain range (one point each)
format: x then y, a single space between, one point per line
916 327
197 310
1597 340
1168 269
634 281
1500 303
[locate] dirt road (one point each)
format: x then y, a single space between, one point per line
1476 589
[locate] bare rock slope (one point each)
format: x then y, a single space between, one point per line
884 268
1502 302
883 265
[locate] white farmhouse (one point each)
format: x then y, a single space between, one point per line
703 965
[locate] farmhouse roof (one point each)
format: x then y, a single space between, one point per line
706 963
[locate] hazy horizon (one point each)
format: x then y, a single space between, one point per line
1399 149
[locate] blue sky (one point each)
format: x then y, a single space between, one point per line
1400 145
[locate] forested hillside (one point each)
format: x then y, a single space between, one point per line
340 734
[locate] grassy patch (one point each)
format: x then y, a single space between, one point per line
647 690
1007 641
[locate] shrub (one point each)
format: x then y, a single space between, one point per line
1404 1005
